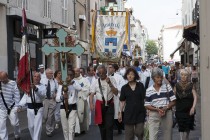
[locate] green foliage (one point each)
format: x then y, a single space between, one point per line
103 10
151 47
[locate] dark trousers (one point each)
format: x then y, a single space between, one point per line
166 75
117 125
106 128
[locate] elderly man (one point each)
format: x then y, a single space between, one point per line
35 108
104 89
9 100
82 105
49 103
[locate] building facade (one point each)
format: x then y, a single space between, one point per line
188 46
205 67
11 16
171 35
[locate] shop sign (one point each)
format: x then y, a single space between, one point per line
49 33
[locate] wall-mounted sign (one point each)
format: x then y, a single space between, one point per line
49 33
31 30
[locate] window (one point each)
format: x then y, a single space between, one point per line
22 4
47 8
64 11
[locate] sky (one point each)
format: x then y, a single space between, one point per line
153 14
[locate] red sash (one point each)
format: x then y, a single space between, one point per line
98 112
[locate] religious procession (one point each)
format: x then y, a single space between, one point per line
88 70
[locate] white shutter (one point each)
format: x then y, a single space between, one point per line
19 3
49 8
45 8
62 15
26 4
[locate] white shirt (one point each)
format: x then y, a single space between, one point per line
91 79
144 75
105 89
119 81
72 93
40 95
43 75
122 71
53 85
84 87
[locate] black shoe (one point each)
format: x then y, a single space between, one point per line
17 138
76 134
83 132
120 131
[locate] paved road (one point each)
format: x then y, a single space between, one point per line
94 134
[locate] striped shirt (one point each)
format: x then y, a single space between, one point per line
159 99
11 94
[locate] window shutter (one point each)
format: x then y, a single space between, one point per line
19 3
49 8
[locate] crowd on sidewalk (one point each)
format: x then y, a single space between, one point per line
116 97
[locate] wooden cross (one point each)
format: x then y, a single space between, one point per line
63 50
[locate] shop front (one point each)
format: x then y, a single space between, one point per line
14 38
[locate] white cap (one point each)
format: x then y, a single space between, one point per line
41 66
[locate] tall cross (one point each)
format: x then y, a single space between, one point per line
63 50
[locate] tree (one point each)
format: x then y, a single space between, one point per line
151 47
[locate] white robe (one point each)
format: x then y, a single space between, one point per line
82 105
119 82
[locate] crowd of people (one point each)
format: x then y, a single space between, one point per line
110 96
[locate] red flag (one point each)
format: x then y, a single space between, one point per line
24 23
23 78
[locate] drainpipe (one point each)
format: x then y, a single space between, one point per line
75 15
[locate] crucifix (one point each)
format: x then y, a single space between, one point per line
62 49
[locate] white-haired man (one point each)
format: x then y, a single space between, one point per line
49 102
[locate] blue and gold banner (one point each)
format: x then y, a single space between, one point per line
110 36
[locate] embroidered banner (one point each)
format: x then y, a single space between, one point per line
110 35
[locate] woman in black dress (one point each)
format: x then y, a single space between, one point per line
186 100
132 98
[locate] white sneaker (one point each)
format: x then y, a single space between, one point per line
56 126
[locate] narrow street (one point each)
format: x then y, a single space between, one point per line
94 134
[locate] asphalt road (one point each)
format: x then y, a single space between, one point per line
93 133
